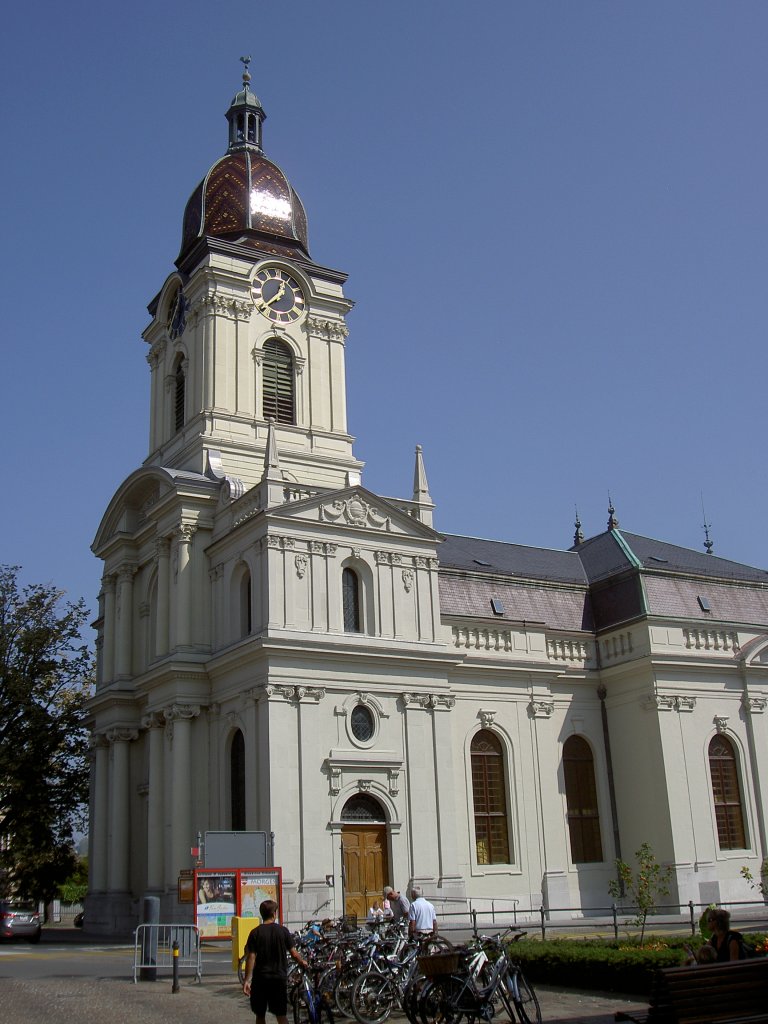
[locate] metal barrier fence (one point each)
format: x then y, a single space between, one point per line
153 950
610 920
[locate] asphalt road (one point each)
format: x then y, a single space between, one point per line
71 982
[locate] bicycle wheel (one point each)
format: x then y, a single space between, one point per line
526 1004
241 971
438 1001
342 992
373 998
302 1002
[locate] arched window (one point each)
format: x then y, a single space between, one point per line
350 596
489 799
581 799
246 605
362 807
179 393
727 794
237 782
277 387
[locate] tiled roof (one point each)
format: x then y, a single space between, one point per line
558 607
673 596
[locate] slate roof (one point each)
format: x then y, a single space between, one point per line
557 588
500 558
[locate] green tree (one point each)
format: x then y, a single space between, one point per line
74 889
45 679
761 883
642 887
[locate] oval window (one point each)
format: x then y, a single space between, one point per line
362 724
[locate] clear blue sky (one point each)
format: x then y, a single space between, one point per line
553 217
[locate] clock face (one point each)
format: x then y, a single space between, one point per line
278 296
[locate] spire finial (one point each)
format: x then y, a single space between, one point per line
246 73
271 458
578 537
613 522
708 544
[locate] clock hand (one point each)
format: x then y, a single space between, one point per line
278 295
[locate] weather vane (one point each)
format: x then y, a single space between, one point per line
246 74
708 544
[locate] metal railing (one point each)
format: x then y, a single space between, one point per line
153 950
610 920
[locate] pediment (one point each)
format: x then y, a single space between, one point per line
356 508
755 652
131 506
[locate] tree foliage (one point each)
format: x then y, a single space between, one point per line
643 887
45 678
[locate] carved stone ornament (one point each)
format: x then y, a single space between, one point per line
668 702
301 562
428 701
408 580
721 722
121 735
541 708
394 781
296 693
754 705
486 718
334 782
334 330
364 785
154 720
355 512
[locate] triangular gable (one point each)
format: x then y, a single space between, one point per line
356 508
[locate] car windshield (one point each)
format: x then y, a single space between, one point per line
27 906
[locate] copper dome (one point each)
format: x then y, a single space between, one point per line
245 197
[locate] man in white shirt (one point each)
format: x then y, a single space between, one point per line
398 905
422 919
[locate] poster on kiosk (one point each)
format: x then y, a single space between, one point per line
224 893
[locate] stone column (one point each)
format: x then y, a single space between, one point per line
179 718
155 726
184 535
119 809
162 617
99 824
448 861
422 787
555 890
125 621
108 659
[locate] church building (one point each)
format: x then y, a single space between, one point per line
282 650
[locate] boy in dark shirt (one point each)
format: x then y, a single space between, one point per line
266 968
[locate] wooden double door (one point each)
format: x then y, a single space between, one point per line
366 867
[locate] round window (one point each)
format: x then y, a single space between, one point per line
362 724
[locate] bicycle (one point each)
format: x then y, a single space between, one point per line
311 999
456 991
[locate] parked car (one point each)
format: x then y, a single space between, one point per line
19 919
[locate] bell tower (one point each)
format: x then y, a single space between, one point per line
249 328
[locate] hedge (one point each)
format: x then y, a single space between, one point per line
604 965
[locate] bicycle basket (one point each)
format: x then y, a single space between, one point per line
435 964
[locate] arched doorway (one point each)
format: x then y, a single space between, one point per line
366 865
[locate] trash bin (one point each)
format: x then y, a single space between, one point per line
241 929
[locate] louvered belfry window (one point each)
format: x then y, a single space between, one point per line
489 799
581 799
277 397
727 794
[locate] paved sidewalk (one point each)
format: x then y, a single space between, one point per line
218 1000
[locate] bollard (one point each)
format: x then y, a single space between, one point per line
175 986
150 915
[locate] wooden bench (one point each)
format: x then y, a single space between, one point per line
730 993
